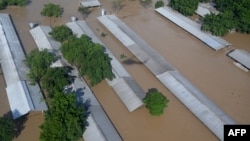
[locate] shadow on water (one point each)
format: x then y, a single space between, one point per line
131 61
151 90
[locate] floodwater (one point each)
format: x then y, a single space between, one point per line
212 72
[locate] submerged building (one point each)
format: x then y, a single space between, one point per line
203 108
23 97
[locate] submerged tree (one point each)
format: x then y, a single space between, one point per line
55 80
155 102
89 58
159 3
51 10
85 11
186 7
4 3
65 120
38 62
61 33
7 129
233 15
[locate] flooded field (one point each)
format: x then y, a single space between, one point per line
212 72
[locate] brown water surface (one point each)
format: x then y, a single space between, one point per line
212 72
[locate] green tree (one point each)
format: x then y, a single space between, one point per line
97 65
159 3
233 15
61 33
64 120
7 129
89 58
186 7
5 3
55 79
155 102
218 25
51 10
38 62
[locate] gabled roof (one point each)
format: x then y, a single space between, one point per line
241 56
126 88
19 98
100 128
190 27
205 8
43 39
22 96
90 3
204 109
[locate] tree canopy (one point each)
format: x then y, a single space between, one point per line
89 58
5 3
7 129
38 62
233 15
186 7
61 33
64 120
85 11
155 102
55 79
159 3
51 10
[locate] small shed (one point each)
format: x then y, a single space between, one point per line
241 56
90 3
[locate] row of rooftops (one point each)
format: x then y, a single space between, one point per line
30 101
23 97
204 109
126 88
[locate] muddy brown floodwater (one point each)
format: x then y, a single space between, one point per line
212 72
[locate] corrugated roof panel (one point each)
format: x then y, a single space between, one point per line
241 56
90 3
104 124
15 71
42 38
19 99
148 56
200 106
130 93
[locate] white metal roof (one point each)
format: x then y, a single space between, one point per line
241 56
44 41
200 106
129 92
115 30
90 3
100 128
149 57
130 95
19 99
205 8
12 62
178 19
42 38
